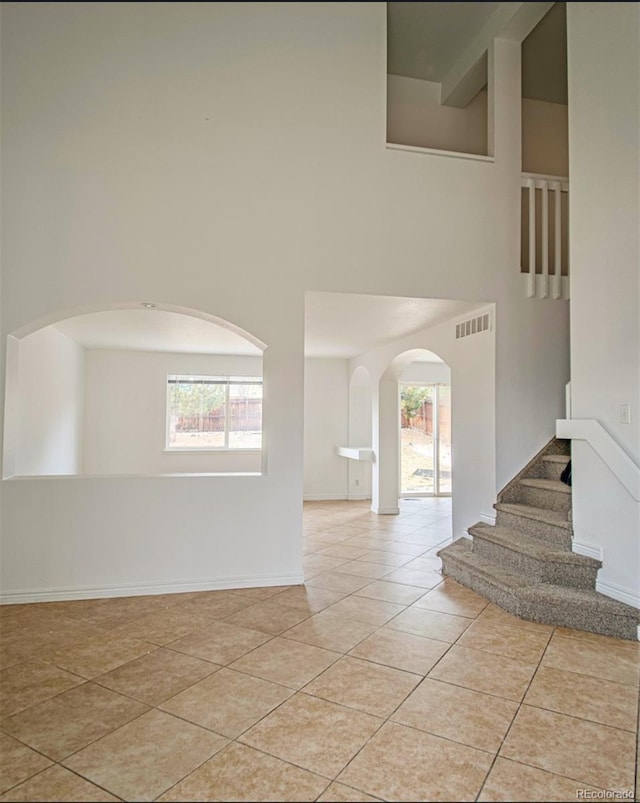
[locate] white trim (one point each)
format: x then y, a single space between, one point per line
385 511
465 534
540 178
619 593
324 497
392 146
99 592
606 447
588 550
489 518
536 289
355 452
358 497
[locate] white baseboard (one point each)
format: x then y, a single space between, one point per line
613 590
588 550
324 497
465 534
358 497
385 511
99 592
488 518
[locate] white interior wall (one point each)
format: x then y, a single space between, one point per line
604 109
415 117
470 364
435 372
280 183
50 391
126 413
545 138
326 403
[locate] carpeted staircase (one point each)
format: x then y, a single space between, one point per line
525 564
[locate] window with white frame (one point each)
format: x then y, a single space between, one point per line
214 412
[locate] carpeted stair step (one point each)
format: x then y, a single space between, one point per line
579 608
548 525
548 603
543 493
498 585
554 464
537 560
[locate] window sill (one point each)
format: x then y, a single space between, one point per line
210 450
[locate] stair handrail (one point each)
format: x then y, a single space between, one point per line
621 464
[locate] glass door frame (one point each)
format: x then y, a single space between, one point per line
436 439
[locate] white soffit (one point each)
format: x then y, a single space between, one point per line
154 330
343 325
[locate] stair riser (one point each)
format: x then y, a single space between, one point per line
547 500
537 570
536 529
468 578
581 618
551 471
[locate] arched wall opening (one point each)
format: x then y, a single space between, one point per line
102 391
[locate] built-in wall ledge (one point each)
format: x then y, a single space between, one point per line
355 452
606 447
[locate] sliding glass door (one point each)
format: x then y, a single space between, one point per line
425 439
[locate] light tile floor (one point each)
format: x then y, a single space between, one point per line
376 680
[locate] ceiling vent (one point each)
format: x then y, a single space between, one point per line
473 326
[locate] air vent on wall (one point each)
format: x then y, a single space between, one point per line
473 326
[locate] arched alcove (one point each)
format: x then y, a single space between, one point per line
134 389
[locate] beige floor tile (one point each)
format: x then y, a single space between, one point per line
465 716
331 632
362 609
401 650
517 783
112 611
592 658
368 687
290 663
427 562
584 696
18 762
337 581
157 676
228 702
66 723
308 599
219 642
596 638
339 793
241 773
216 604
450 597
57 783
391 592
161 627
99 654
143 759
268 617
583 751
343 551
404 764
415 577
362 568
495 614
24 685
432 624
511 642
313 564
385 557
253 594
312 733
485 672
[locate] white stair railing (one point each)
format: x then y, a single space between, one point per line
546 283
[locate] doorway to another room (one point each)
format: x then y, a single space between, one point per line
425 439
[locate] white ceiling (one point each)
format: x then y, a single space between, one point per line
337 325
424 40
154 330
345 325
